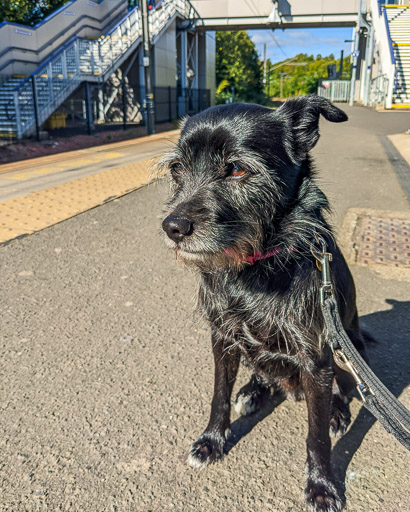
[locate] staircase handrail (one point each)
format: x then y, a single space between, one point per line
84 18
42 66
60 75
386 23
46 63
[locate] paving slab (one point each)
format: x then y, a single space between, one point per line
402 143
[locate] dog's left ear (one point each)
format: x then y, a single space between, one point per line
301 115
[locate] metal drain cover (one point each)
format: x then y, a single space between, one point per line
378 239
384 241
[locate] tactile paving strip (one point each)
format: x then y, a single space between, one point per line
384 241
38 210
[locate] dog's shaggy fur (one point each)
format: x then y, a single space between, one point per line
244 187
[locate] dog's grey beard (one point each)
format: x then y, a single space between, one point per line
207 262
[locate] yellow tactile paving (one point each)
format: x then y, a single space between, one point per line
38 210
6 171
85 152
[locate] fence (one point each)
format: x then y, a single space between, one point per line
118 105
334 90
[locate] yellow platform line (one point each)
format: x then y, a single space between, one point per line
87 151
38 210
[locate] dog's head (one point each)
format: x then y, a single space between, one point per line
238 172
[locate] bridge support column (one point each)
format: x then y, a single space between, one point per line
141 81
183 72
368 70
355 57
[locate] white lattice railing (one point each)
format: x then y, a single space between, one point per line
84 59
379 90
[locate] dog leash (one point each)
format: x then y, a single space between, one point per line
384 406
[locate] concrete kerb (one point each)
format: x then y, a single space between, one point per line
401 142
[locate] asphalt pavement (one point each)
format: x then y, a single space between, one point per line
107 372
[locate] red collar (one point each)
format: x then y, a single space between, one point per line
258 255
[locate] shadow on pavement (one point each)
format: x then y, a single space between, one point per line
244 424
389 360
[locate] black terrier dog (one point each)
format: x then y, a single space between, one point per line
244 211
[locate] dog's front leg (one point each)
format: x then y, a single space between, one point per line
320 493
210 445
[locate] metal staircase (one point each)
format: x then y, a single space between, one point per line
40 94
399 25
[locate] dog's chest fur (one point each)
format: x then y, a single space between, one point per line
257 313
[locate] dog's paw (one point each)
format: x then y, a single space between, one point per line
249 399
323 497
339 417
208 448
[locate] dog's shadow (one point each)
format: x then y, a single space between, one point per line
388 358
244 424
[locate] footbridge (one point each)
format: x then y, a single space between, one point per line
253 14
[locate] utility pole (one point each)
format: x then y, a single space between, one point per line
282 75
149 97
264 66
341 64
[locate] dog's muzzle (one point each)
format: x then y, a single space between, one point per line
177 228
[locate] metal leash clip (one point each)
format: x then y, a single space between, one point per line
343 362
322 262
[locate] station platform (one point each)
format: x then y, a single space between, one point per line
38 193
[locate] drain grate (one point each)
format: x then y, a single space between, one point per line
384 241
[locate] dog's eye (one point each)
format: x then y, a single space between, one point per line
237 172
177 168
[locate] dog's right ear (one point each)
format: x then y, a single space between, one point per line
301 115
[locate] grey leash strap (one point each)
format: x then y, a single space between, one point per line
391 413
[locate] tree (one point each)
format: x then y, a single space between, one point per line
302 79
28 12
238 64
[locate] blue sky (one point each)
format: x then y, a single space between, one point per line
305 40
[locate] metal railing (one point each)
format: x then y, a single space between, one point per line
379 88
334 90
110 106
84 59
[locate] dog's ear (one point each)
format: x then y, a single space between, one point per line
301 115
182 122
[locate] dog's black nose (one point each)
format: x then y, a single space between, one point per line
177 228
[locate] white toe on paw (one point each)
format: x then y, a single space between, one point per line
245 405
195 462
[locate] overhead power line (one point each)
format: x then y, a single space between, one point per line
254 8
